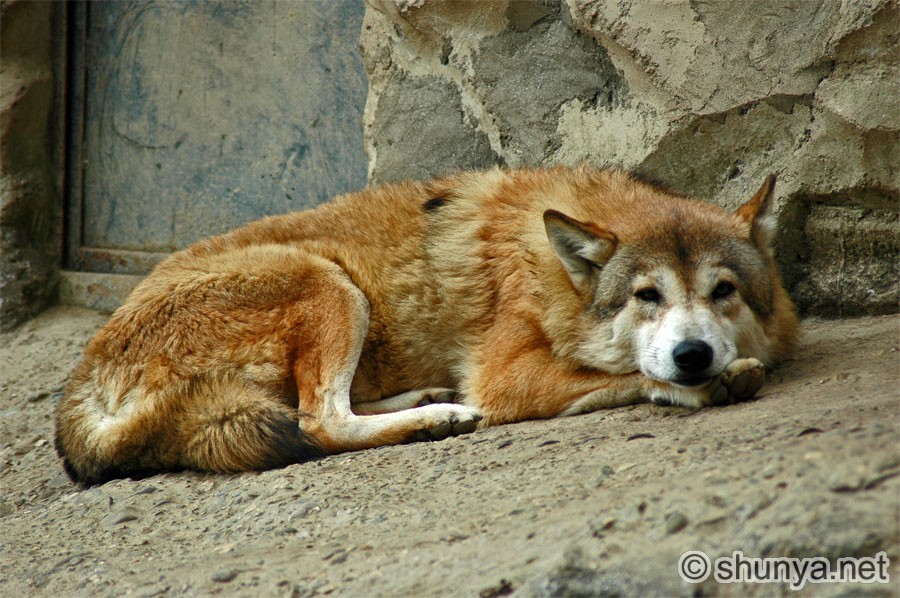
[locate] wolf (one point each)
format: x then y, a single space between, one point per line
420 310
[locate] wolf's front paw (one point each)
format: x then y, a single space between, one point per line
740 381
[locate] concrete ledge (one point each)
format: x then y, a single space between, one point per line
103 292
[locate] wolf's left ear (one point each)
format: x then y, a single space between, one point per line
758 213
581 247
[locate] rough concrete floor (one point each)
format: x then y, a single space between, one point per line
601 504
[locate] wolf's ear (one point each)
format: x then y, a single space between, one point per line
758 213
580 247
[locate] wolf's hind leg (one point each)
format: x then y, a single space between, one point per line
407 400
332 342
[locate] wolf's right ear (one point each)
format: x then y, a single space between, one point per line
758 214
581 247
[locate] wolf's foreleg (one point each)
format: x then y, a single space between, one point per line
527 381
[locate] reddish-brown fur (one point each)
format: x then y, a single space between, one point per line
244 350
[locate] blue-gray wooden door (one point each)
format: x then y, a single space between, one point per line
191 118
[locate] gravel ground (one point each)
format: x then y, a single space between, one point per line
600 504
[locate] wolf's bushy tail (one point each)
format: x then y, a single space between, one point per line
208 432
246 436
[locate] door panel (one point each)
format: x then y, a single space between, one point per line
196 117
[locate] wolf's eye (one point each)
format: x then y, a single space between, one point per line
648 295
723 290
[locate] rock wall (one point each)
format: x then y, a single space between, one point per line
709 97
30 158
706 96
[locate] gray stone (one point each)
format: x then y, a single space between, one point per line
224 575
520 79
420 131
675 522
31 160
123 515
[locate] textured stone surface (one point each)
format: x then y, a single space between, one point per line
702 96
436 138
517 77
30 160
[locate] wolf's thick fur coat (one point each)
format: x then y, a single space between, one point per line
415 310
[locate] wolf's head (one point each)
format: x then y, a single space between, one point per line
672 287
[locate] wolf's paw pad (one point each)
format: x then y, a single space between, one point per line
438 395
461 420
740 381
743 378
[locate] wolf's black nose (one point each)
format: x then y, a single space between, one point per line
692 357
